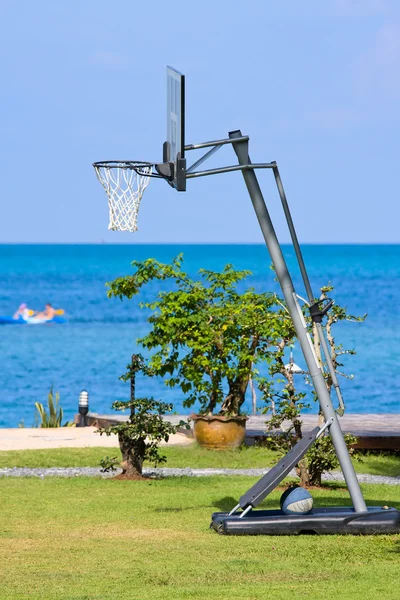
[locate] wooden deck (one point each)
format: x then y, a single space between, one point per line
374 432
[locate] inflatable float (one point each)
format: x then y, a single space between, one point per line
32 320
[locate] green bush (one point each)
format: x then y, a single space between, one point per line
140 436
322 457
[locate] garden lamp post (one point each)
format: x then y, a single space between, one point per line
83 408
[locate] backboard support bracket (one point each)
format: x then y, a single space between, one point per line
180 175
166 170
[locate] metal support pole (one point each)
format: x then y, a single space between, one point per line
220 170
205 157
293 234
271 240
212 143
307 285
135 367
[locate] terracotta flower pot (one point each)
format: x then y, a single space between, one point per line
218 432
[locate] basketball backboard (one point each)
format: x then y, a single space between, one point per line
174 147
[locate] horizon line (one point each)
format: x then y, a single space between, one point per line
106 243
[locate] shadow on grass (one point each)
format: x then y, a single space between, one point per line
170 509
225 504
178 509
396 547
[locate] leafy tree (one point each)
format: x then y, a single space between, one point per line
336 314
140 436
285 402
322 457
207 337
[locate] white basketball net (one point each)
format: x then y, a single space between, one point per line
124 188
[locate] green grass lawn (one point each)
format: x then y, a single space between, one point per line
87 539
182 456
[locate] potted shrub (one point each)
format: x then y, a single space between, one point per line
206 337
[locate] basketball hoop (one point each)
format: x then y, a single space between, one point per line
124 183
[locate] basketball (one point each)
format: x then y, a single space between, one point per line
296 501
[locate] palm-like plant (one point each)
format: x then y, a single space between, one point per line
54 417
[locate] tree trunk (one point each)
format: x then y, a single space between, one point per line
235 397
132 456
316 478
302 472
253 397
215 393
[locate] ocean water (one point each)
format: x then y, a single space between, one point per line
92 350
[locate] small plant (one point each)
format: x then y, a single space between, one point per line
322 458
140 436
54 417
109 464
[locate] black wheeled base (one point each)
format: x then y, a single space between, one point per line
323 521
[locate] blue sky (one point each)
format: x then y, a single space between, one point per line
316 86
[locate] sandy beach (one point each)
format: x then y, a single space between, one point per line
66 437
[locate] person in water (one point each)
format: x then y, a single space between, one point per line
23 312
48 313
